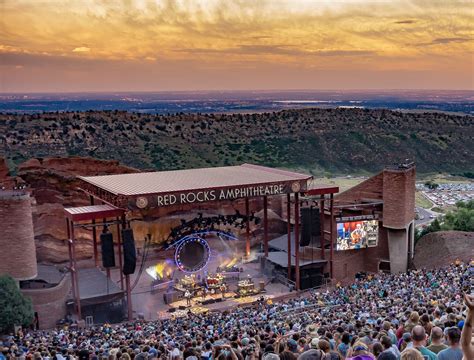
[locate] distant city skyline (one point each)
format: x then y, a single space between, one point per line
139 45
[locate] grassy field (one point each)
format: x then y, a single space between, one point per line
422 201
445 179
344 183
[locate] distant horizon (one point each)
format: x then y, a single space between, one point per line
230 90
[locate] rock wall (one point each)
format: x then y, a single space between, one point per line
442 248
53 185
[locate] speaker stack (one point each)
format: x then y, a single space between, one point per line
107 247
310 225
129 252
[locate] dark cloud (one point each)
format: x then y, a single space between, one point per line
405 22
449 40
277 50
442 41
344 53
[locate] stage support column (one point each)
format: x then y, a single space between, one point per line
74 264
119 238
94 238
321 217
247 230
71 265
288 212
127 285
297 241
331 229
129 298
107 270
265 225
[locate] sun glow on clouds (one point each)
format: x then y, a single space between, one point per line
293 40
81 49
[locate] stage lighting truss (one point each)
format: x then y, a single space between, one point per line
204 226
180 246
223 235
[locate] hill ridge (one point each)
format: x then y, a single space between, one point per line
317 140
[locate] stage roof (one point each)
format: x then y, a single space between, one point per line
137 184
92 212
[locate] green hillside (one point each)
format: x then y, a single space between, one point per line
317 140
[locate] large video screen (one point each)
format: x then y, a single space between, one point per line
357 234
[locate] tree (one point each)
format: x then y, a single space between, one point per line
431 185
15 309
460 219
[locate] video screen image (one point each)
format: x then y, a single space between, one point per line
357 234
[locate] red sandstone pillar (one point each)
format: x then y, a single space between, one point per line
297 242
265 225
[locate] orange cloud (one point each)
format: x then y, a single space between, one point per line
295 37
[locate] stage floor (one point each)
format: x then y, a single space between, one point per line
150 305
181 308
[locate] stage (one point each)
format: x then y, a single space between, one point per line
179 308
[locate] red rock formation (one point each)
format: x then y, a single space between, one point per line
53 185
442 248
4 171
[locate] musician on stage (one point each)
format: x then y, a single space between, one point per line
223 290
187 295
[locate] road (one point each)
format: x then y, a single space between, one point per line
425 214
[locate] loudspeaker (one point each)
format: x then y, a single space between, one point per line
107 246
129 252
310 225
172 310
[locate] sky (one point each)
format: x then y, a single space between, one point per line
159 45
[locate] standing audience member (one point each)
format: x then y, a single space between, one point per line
437 338
466 335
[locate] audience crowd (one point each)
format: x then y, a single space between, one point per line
415 315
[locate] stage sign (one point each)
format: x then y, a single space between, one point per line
357 234
357 217
203 196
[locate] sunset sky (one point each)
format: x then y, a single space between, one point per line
138 45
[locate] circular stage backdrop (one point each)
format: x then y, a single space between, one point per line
192 254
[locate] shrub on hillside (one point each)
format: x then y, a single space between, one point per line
15 309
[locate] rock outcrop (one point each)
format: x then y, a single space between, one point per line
53 184
442 248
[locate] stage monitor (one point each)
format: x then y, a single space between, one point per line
357 234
